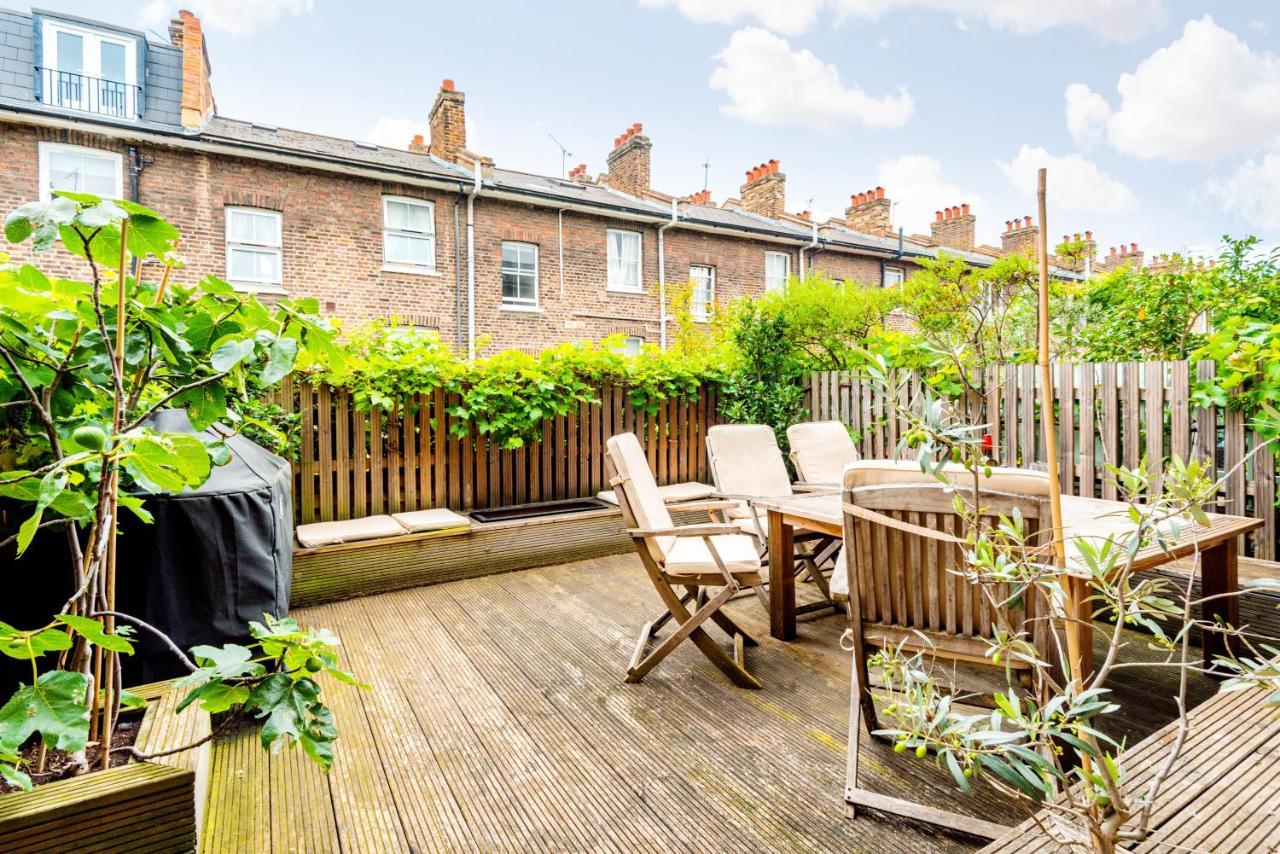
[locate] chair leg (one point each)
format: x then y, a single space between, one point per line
658 622
732 629
690 627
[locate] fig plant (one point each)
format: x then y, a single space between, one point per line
84 365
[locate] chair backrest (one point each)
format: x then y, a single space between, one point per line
745 460
904 577
820 450
883 472
637 491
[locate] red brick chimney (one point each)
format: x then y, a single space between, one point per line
418 145
1020 236
954 227
186 33
765 192
629 161
579 174
702 197
448 121
869 212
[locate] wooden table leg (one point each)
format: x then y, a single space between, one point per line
1219 575
782 578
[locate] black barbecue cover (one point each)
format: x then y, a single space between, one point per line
215 557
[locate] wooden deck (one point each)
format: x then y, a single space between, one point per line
499 722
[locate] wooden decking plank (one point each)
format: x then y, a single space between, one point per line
366 816
497 821
587 783
648 739
237 817
302 817
429 813
776 779
511 752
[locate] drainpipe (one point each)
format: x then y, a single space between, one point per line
471 263
813 244
135 171
457 267
901 251
560 241
662 277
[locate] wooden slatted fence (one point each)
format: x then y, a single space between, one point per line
1106 412
355 463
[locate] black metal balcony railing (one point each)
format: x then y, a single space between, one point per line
88 94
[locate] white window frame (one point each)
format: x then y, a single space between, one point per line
93 40
887 282
702 312
394 266
632 345
610 285
48 148
516 304
777 285
255 285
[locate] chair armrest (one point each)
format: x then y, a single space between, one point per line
704 504
729 496
710 529
802 486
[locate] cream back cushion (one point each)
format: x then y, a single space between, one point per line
879 472
746 460
643 501
821 450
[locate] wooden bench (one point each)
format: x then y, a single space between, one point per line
1222 794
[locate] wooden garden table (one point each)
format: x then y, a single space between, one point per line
1088 517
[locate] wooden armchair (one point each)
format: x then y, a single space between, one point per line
712 562
902 540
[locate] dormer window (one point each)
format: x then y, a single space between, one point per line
89 70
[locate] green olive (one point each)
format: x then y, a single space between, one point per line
921 750
900 747
90 436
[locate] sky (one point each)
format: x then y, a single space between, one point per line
1158 120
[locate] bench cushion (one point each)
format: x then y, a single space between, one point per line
348 531
435 519
673 493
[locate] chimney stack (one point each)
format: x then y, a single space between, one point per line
448 122
418 145
765 192
629 161
579 174
702 197
954 227
869 212
186 33
1020 236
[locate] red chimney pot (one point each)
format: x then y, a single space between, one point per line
1088 235
1008 225
879 192
447 85
937 216
417 139
964 208
1133 247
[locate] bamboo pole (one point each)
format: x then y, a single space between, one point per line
1078 643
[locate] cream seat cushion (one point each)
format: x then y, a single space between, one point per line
348 531
880 472
690 555
643 499
821 450
435 519
746 460
672 493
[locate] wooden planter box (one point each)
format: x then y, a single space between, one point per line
143 806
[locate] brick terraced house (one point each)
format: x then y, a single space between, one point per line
433 234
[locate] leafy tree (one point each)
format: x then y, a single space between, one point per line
828 319
83 367
764 385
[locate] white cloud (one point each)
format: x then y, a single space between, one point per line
1074 182
393 132
1252 192
234 17
769 83
1114 20
784 16
1204 95
918 188
1087 114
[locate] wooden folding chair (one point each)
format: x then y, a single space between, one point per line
819 451
746 463
712 562
901 541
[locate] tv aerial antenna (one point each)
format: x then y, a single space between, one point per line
565 154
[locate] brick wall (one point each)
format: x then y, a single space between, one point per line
332 235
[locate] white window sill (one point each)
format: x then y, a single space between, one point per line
520 309
257 288
411 270
628 291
